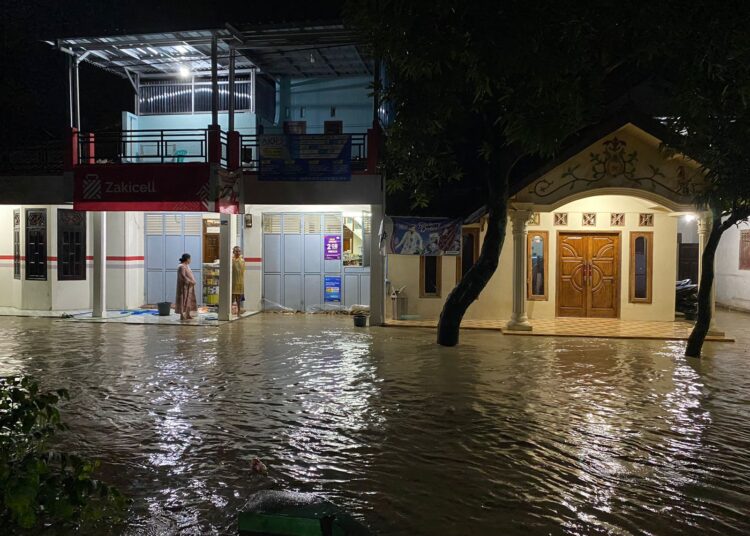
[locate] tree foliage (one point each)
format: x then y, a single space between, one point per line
470 80
38 484
709 86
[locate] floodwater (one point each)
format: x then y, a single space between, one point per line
501 435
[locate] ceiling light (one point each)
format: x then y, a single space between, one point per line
184 71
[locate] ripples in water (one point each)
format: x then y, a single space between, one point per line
511 435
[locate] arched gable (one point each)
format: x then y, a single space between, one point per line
629 161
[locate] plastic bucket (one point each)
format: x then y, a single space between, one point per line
164 308
360 321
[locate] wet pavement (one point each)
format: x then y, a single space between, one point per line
501 435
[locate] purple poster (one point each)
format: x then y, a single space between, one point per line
332 245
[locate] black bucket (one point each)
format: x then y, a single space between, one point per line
164 308
360 321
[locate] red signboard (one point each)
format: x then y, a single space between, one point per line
183 187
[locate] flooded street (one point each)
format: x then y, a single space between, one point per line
501 435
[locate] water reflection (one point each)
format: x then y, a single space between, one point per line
512 435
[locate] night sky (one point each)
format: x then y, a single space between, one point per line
33 87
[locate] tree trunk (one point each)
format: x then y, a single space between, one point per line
703 322
475 279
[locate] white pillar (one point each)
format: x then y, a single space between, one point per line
377 269
704 229
225 267
100 265
518 320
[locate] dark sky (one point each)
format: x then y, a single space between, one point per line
33 84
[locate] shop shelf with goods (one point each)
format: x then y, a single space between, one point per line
211 284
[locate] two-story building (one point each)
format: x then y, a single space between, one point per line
263 137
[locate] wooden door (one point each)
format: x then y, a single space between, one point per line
588 280
210 241
571 275
603 275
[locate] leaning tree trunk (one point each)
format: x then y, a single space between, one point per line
703 322
475 279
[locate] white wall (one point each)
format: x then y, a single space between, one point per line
495 302
125 263
10 289
688 227
252 250
732 284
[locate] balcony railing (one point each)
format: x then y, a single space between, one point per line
143 146
229 149
249 151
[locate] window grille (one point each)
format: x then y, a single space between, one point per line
16 244
71 245
36 244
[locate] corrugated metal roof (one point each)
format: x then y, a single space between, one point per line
155 53
298 50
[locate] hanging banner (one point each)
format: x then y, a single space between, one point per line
305 157
182 187
332 288
228 195
332 246
428 237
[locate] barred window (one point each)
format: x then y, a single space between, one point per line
71 245
16 244
36 244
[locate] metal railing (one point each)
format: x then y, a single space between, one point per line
250 151
144 146
39 158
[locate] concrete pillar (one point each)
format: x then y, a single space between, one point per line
232 53
100 265
518 320
225 268
705 222
214 80
377 269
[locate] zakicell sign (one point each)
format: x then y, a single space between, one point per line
184 187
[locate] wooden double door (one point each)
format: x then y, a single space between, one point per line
588 275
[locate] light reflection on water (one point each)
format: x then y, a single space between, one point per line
512 435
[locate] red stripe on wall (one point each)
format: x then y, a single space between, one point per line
88 258
253 259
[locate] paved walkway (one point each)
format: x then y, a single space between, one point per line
610 328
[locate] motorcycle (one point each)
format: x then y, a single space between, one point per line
686 293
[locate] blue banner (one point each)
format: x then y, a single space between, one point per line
428 237
332 288
305 157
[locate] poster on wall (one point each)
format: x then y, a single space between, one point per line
305 157
332 245
180 187
332 288
428 237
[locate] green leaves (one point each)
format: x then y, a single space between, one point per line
39 485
